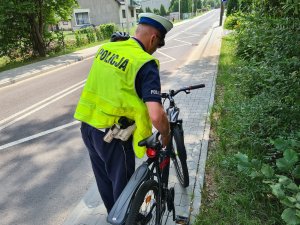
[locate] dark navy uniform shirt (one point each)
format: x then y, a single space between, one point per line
147 83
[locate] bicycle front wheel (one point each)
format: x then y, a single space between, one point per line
145 206
179 157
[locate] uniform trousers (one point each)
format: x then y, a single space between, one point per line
113 163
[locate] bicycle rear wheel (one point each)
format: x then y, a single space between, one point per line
179 156
145 206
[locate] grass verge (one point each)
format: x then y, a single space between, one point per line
6 64
229 197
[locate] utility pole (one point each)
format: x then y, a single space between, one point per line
127 16
222 11
179 9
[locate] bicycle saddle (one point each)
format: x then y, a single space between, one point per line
151 142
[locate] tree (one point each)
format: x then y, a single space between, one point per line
184 5
156 11
163 11
198 4
232 6
24 24
174 6
148 10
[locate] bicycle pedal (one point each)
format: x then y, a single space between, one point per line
182 220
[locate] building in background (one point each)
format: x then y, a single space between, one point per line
97 12
154 4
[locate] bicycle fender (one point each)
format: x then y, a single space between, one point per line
119 212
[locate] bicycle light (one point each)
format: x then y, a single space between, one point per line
151 153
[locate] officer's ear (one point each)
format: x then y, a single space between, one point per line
152 39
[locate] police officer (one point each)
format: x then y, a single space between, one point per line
123 83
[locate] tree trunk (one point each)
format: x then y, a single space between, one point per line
37 37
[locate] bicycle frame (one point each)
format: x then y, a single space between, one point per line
156 167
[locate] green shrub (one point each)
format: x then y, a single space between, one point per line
60 40
231 22
268 79
282 176
79 38
107 30
4 61
99 35
90 34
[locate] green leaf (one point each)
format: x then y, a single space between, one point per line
256 163
254 174
278 191
284 180
296 172
267 171
287 202
242 158
292 199
298 196
291 156
292 186
284 165
280 144
290 217
243 163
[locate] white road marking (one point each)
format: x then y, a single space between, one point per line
171 58
2 147
189 28
34 108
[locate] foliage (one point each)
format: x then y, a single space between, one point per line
245 5
79 38
148 10
99 35
186 6
232 7
230 197
277 8
260 112
90 34
107 30
232 22
282 177
156 11
60 40
162 10
263 123
25 31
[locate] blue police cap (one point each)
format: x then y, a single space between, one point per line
159 22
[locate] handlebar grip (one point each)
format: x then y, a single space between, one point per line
197 86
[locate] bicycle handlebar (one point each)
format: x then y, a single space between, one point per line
185 89
197 86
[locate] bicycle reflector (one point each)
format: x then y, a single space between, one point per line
151 153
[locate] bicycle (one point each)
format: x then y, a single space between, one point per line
146 197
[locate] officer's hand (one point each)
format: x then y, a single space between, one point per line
165 140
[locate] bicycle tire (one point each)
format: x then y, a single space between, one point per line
179 157
138 217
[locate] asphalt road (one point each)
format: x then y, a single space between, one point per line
44 167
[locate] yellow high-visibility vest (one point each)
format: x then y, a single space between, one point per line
109 92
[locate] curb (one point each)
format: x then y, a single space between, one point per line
199 183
